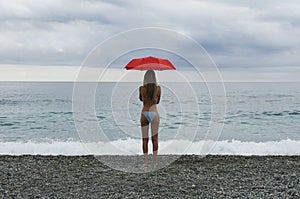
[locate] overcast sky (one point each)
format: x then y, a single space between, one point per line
242 37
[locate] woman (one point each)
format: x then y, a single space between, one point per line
150 95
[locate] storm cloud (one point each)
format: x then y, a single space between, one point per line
237 34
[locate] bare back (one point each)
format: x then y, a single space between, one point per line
149 105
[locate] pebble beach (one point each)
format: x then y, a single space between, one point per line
189 176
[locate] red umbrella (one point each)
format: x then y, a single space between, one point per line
150 63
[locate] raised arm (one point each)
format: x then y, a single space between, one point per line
140 93
158 94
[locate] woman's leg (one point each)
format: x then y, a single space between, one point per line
154 134
145 138
145 143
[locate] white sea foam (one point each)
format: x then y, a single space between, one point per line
133 147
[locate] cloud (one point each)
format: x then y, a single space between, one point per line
236 33
56 10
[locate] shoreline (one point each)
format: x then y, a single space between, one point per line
212 176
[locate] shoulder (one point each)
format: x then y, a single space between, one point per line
142 88
158 88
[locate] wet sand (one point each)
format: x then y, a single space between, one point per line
189 176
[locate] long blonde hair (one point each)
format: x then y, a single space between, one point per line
150 84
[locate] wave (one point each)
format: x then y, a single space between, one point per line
133 147
19 101
259 115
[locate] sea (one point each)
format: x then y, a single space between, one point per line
256 119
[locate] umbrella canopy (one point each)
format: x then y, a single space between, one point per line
150 63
